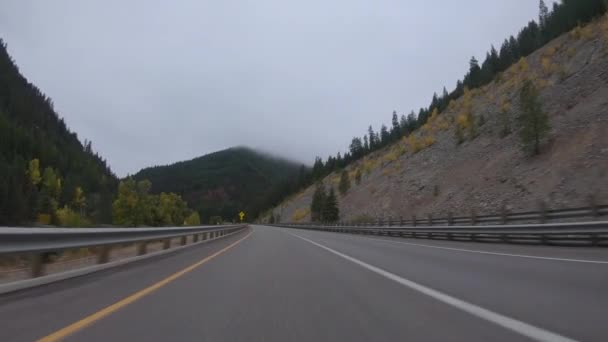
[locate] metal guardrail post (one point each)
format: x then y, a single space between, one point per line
473 217
430 219
450 218
593 207
142 248
103 255
36 264
414 222
504 214
542 211
184 240
390 221
167 244
195 238
401 220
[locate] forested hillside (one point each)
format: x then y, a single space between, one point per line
43 165
223 183
526 124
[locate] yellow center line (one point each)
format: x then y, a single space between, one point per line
81 324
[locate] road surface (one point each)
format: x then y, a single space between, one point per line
273 284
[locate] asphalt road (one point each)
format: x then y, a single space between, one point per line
294 285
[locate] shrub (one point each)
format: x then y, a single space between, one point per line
66 217
428 141
44 218
413 144
571 52
576 33
369 164
363 218
505 106
193 220
533 120
522 66
300 214
587 32
358 176
443 124
390 157
546 64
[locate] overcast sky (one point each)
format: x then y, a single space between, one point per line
154 82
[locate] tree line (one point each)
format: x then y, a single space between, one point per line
49 177
551 23
43 165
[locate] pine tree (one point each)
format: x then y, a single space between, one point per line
384 135
404 129
317 169
472 79
344 182
356 148
411 121
395 130
543 14
534 122
365 143
373 138
318 202
331 212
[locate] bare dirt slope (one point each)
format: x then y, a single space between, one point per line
430 172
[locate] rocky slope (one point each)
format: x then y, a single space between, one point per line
431 172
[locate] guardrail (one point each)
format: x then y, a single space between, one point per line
36 243
542 215
585 233
498 227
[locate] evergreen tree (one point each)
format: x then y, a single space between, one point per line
384 135
318 202
395 130
404 129
411 122
543 14
365 143
473 78
358 176
344 182
373 139
331 212
317 169
356 148
534 122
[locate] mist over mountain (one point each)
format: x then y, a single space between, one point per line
223 183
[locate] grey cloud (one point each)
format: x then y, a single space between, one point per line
152 82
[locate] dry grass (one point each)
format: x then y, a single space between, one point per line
522 66
300 214
369 164
582 33
549 67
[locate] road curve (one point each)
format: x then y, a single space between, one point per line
294 285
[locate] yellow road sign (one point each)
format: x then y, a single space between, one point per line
242 215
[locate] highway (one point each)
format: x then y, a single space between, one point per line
278 284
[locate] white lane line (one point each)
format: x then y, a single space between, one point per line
496 318
486 252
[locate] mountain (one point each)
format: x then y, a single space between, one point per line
469 157
223 183
43 163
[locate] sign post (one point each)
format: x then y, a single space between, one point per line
242 216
